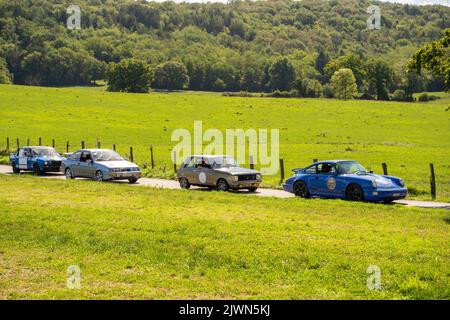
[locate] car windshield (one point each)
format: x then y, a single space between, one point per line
349 167
44 152
221 162
106 155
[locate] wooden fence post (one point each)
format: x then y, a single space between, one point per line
174 162
99 145
151 156
252 163
315 160
131 154
28 142
40 141
385 170
7 144
282 170
18 143
53 143
432 182
82 144
114 147
67 146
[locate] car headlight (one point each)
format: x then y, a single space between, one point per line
116 170
401 182
374 184
258 177
234 178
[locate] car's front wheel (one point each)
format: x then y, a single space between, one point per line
99 176
252 189
354 193
301 190
222 185
132 180
37 170
15 169
68 173
184 183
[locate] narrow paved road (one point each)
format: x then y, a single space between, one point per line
171 184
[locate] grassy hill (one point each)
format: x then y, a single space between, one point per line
144 243
407 136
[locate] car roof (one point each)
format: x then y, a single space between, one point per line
207 156
331 161
37 147
93 150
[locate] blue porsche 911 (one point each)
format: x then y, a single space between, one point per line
344 179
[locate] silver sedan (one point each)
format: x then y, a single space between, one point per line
101 165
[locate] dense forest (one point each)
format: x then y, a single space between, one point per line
223 47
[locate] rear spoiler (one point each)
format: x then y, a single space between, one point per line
297 170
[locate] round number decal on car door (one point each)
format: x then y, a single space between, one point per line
331 184
202 177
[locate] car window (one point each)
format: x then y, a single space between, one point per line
311 170
75 156
349 167
326 168
190 164
204 163
27 152
85 156
21 153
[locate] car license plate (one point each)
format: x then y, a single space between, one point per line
124 175
396 194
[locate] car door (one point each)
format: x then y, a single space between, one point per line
198 175
310 178
22 159
326 179
205 173
86 166
74 162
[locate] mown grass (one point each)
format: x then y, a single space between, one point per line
144 243
407 136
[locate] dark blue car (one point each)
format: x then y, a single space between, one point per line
344 179
36 159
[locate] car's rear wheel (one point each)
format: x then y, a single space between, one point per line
37 170
132 180
68 173
301 190
99 175
184 183
15 169
354 193
252 189
222 185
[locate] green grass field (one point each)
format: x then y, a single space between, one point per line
407 136
145 243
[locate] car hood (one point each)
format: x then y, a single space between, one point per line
237 170
382 181
118 164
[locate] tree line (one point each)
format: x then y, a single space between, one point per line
271 46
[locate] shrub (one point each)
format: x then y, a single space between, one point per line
399 95
424 97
